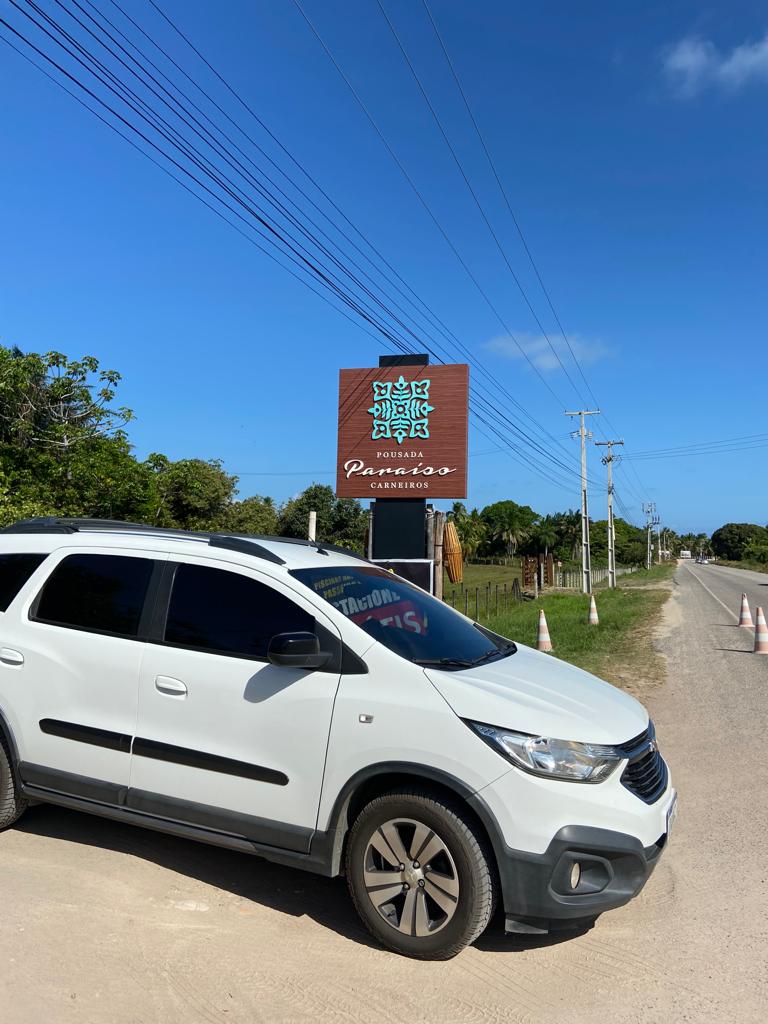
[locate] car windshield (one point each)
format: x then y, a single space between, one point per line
403 617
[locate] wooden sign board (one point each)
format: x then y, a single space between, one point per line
403 432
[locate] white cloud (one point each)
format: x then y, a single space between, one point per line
694 64
538 350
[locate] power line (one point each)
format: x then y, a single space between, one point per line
515 221
473 193
192 154
441 326
507 202
419 195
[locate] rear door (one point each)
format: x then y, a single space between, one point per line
74 692
224 739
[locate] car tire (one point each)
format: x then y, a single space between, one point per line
429 908
12 803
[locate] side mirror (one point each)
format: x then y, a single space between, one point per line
297 650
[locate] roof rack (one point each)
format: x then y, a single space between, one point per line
234 542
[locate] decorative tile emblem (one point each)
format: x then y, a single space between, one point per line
400 409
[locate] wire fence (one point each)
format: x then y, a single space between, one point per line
495 598
489 599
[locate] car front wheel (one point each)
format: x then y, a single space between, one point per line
420 874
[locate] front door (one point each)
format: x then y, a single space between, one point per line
224 739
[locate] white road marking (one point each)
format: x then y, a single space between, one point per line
701 581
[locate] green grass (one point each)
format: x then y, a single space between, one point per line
620 649
744 564
480 576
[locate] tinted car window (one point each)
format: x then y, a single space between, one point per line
101 593
15 570
216 610
403 617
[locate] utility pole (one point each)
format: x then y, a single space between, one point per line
586 563
608 462
651 520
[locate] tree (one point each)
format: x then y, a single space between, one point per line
508 523
470 527
545 533
568 526
62 445
757 551
341 521
294 515
22 386
255 515
350 522
191 494
731 540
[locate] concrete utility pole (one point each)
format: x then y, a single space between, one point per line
608 461
651 520
586 563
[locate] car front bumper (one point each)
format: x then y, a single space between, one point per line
538 890
543 828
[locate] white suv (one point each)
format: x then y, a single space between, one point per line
292 700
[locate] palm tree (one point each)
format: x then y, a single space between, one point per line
568 526
545 533
471 530
511 528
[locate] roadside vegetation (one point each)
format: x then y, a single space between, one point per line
620 649
741 545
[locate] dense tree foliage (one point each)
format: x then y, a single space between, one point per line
64 451
733 540
339 520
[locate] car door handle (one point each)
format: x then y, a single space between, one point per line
173 687
10 657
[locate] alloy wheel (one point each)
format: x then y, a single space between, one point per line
410 877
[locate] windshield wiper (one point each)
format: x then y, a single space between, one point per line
465 662
457 662
501 651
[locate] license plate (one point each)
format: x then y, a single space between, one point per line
671 815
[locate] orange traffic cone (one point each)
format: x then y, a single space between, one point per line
761 633
593 619
745 616
543 643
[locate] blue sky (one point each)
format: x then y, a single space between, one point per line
630 140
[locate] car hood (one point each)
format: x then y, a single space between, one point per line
535 693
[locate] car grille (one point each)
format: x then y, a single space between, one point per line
646 772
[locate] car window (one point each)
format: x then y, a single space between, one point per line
403 617
99 593
225 612
15 570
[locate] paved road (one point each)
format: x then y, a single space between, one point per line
727 585
104 924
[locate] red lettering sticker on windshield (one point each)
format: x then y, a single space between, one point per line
403 615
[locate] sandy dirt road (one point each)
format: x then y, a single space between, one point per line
106 923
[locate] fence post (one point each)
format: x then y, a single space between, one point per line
466 600
477 591
496 607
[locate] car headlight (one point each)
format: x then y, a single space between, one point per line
554 759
